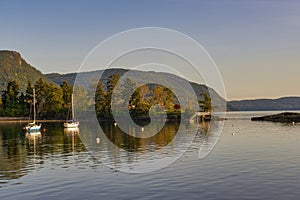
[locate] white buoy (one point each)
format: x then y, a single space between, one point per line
293 123
233 134
98 140
142 128
115 124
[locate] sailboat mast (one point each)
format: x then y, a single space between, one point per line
33 105
72 107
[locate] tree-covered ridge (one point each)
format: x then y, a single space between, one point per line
54 102
14 68
146 98
141 100
84 79
18 79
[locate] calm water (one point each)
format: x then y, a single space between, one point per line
261 160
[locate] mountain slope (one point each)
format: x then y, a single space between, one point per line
14 68
140 76
284 103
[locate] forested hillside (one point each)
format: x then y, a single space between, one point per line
14 68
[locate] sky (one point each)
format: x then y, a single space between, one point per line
255 44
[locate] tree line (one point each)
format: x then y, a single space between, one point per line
54 102
51 100
141 100
157 97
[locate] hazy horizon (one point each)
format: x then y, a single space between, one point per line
255 44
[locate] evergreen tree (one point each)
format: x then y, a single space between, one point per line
138 101
28 99
10 99
205 103
53 101
23 106
80 98
100 100
128 87
49 99
67 91
111 83
2 114
41 91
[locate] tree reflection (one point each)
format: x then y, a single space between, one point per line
21 153
12 152
133 144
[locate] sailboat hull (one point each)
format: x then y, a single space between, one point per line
33 128
71 124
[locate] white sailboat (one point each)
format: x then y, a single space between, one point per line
72 123
33 126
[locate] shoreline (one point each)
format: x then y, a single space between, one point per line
26 120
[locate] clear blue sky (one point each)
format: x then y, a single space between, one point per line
256 44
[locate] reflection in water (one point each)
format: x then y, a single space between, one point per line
122 151
131 152
260 162
204 127
34 139
209 133
12 152
141 144
22 154
70 133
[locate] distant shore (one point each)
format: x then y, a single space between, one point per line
285 117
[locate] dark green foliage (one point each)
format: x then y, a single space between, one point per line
205 103
14 103
51 101
14 67
28 99
67 93
100 100
140 101
104 110
140 76
81 100
10 99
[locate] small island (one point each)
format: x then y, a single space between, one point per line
286 117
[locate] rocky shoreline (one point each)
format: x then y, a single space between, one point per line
286 117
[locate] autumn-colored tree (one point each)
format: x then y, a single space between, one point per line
164 97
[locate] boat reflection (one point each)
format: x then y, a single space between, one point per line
33 135
34 138
71 132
